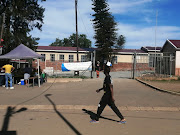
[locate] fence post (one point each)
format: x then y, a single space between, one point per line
134 65
92 64
171 58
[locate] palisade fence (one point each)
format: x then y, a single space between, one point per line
155 65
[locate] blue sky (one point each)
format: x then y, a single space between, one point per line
136 20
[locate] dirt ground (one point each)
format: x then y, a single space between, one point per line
170 85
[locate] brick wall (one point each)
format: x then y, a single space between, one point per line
116 67
122 66
56 64
129 66
177 72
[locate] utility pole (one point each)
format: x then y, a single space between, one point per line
76 30
155 59
2 27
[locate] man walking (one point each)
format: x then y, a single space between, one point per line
8 76
108 97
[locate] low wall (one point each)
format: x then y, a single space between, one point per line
177 73
57 80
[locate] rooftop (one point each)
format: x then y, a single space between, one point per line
176 43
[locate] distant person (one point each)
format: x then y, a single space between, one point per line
108 97
97 69
27 73
8 76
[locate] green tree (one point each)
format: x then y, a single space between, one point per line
57 42
71 41
21 17
121 40
105 28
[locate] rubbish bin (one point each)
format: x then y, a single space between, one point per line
22 81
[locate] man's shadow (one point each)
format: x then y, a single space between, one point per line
9 113
93 115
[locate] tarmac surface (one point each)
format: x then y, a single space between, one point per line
66 108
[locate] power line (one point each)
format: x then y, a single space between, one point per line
84 24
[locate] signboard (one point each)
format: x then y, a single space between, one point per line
77 66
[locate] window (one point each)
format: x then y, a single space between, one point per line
71 58
61 57
44 57
52 57
83 58
114 58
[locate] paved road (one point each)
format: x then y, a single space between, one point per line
127 92
49 117
76 122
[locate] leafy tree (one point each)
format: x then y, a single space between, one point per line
105 28
120 42
71 41
21 17
57 42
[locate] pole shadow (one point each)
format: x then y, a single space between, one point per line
9 113
61 116
93 115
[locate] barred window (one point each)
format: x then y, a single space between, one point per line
71 58
61 57
44 57
52 56
114 59
83 58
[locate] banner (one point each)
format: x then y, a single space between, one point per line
77 66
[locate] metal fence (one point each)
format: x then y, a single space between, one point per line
156 64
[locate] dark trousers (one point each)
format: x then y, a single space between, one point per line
106 99
2 80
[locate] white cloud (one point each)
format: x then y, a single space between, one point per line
59 22
124 6
137 36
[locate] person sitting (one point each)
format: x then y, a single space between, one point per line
27 73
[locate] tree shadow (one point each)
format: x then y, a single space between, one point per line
93 115
9 113
61 116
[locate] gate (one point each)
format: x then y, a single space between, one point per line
153 64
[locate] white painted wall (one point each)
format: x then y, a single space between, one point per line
177 59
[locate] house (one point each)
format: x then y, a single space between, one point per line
123 59
171 49
143 58
54 56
